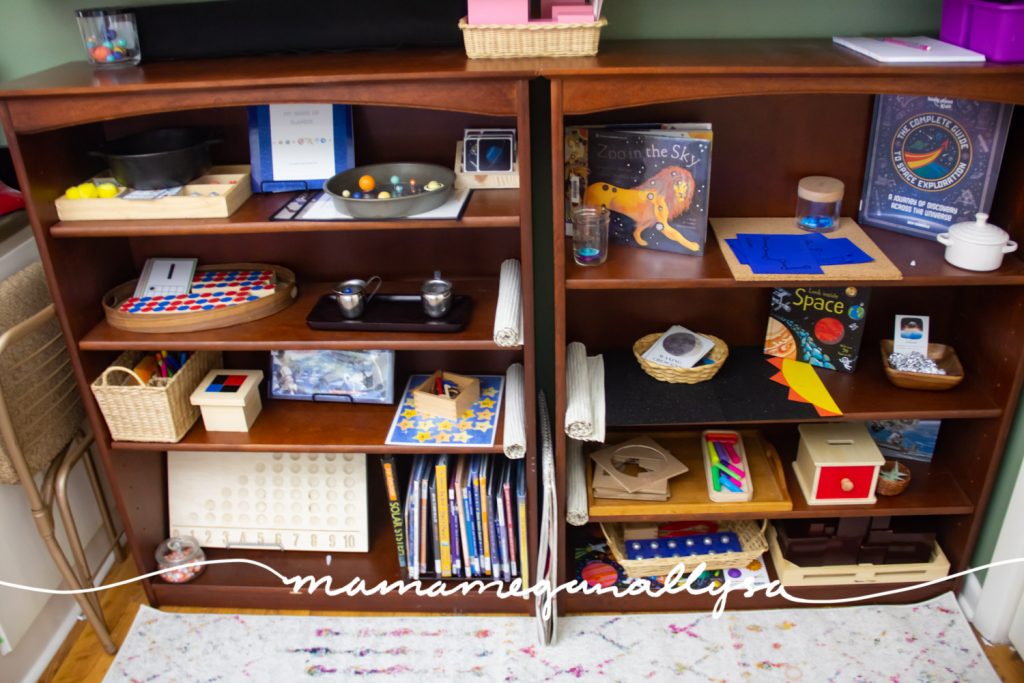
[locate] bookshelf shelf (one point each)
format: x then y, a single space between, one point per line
485 209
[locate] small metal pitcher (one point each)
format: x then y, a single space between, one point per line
436 295
353 295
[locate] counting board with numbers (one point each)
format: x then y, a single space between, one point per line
291 501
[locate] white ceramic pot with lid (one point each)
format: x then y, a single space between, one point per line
976 245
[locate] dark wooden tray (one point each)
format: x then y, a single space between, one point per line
391 313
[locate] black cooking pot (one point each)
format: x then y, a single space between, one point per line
158 159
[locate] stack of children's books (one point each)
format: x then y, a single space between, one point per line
464 516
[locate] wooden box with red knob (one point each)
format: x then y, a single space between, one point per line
837 463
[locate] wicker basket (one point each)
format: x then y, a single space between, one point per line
502 41
887 487
157 412
666 373
751 536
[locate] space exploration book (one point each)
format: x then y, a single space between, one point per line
655 184
932 162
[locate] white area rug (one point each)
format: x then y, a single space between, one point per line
929 642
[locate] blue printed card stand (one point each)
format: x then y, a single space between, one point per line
475 427
295 147
932 162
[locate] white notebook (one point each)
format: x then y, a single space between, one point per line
911 49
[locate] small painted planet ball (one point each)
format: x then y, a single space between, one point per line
433 185
357 195
829 331
394 180
111 34
384 195
100 53
346 193
680 343
600 574
367 183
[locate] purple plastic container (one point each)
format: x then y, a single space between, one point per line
995 29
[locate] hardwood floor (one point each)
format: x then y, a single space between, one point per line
82 660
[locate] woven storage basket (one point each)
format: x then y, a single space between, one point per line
502 41
665 373
157 412
751 536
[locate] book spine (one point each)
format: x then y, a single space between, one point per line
444 538
435 528
460 510
424 511
524 535
453 522
471 551
485 524
412 523
394 506
499 522
510 531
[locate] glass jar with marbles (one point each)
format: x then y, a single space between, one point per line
110 36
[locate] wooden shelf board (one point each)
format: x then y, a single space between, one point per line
243 585
288 330
633 268
689 492
641 401
304 426
932 491
485 209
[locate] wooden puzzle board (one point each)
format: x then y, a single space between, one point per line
290 501
879 269
689 491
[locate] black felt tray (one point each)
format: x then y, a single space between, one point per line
391 313
742 391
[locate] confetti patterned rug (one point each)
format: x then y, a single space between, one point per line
931 642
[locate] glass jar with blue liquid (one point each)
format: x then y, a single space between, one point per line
818 202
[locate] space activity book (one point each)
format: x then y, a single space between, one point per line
822 326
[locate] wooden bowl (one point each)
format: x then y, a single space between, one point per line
944 356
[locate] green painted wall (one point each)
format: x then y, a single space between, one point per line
37 34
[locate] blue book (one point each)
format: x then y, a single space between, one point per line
932 162
470 518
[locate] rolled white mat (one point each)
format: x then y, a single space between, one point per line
576 511
514 440
584 411
508 315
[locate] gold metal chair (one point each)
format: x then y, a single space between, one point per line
41 428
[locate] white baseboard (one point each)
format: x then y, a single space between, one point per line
28 660
970 596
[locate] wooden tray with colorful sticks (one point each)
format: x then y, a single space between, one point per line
726 466
220 296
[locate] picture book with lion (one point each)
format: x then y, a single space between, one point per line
654 183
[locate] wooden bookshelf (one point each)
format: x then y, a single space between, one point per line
495 209
781 110
407 105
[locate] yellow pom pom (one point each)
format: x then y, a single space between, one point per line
107 190
88 191
73 193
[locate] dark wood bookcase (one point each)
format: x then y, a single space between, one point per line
407 105
782 110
